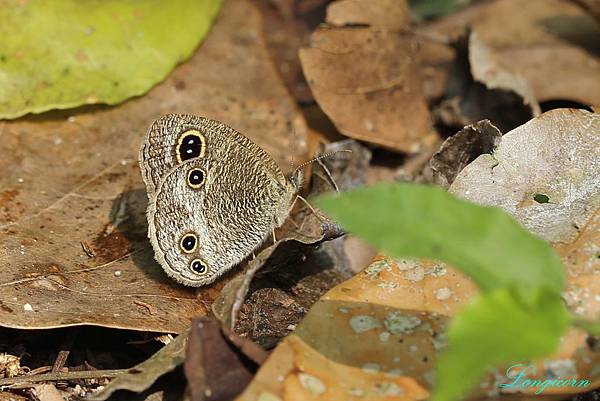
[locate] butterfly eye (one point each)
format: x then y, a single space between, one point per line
199 266
189 243
195 178
191 144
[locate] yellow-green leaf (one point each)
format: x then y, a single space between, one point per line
63 54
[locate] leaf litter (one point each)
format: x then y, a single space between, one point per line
390 301
377 335
73 177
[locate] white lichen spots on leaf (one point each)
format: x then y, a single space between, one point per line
416 274
438 270
377 267
396 372
362 323
398 324
577 299
266 396
388 285
442 294
406 264
384 336
560 368
357 392
312 383
343 310
371 367
389 389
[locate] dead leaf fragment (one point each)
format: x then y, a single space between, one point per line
218 369
70 179
365 77
48 392
391 14
487 70
461 149
552 44
490 92
555 155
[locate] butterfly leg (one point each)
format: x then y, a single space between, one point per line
317 215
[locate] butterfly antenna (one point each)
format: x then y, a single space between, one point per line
318 159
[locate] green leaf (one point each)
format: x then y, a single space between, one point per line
425 9
592 327
496 329
410 220
62 54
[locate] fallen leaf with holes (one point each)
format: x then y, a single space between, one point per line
552 44
363 70
543 173
377 335
72 204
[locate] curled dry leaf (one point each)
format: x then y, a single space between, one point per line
143 375
552 44
486 69
68 181
377 335
364 73
461 149
487 91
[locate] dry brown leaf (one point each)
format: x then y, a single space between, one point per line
377 335
461 149
552 44
68 181
366 77
47 392
486 69
591 6
217 368
487 91
555 155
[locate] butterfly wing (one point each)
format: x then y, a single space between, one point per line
209 212
175 138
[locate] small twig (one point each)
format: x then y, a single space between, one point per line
87 249
64 352
60 361
86 374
